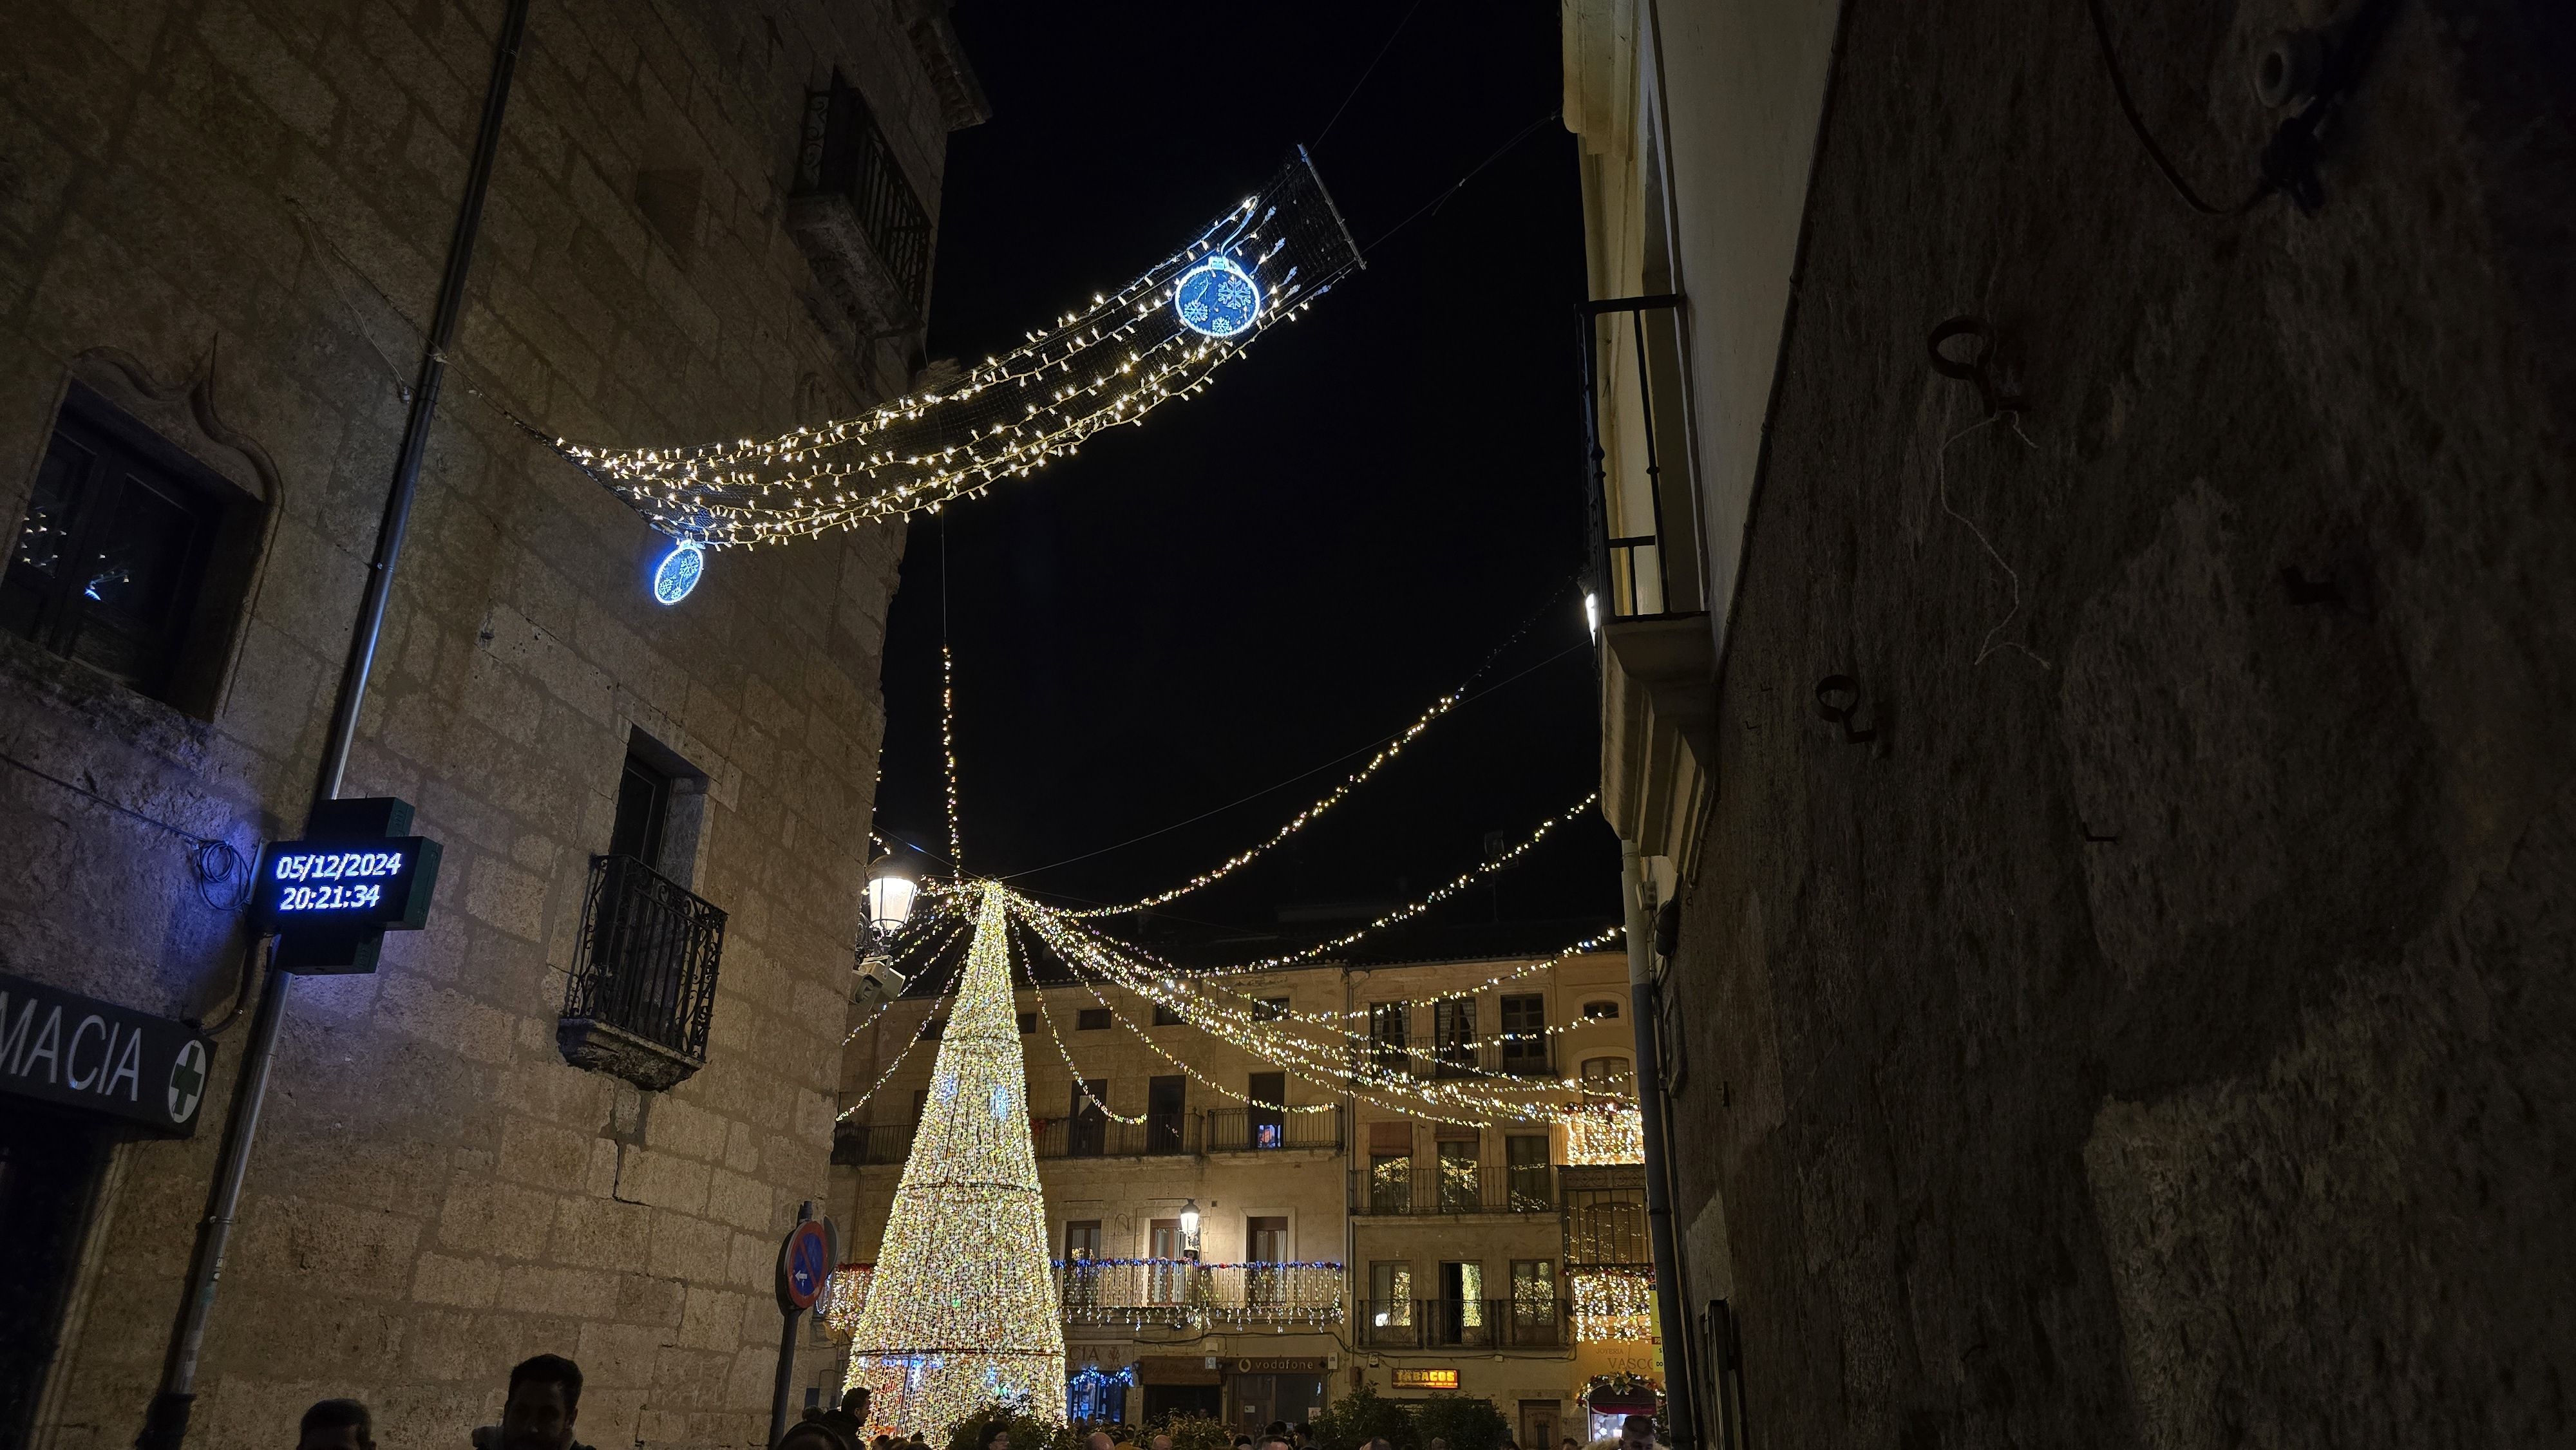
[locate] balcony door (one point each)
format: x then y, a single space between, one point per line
1269 1125
1525 1034
1453 1033
1087 1134
1265 1242
1462 1303
1168 1282
1166 1101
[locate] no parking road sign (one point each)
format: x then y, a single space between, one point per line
804 1265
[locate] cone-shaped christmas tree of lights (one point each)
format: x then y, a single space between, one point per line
962 1310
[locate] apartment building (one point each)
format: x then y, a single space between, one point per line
1253 1263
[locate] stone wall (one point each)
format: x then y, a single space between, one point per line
2155 1035
231 216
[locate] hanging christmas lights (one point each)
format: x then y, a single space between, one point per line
1157 339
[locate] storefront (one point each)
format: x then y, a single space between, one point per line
77 1076
1181 1384
1276 1389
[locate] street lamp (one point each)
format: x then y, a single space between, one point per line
1190 1227
891 892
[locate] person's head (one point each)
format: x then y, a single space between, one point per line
336 1425
997 1437
1569 1443
1637 1432
1160 1442
882 1441
814 1434
1099 1440
1439 1444
545 1394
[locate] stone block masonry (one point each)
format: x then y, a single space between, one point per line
228 217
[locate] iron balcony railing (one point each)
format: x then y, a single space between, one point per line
1180 1293
1437 1186
1500 1055
854 1144
1090 1135
647 959
847 155
1644 556
1255 1130
1532 1323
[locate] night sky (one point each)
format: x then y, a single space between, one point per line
1294 565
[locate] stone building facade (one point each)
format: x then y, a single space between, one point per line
222 226
1388 1225
2115 808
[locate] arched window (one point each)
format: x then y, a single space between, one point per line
1604 1010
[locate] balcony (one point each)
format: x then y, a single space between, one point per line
1462 1324
1502 1055
1262 1130
1647 595
643 987
856 216
1088 1135
857 1144
1456 1189
1185 1295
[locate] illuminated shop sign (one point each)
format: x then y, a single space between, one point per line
330 898
78 1052
1426 1379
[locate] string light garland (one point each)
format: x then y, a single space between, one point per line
1081 1083
961 1311
1159 338
1612 1305
948 743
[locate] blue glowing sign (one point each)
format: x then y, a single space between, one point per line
1217 298
384 884
679 571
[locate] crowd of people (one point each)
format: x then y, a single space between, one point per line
544 1401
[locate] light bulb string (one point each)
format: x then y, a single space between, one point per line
1081 1084
1381 1088
887 1005
900 1054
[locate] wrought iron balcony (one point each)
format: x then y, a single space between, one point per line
1092 1135
1504 1054
854 1144
1451 1188
643 989
1536 1323
856 213
1645 560
1185 1294
1260 1130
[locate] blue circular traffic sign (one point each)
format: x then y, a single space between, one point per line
804 1265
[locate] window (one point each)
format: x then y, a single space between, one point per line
1081 1239
1265 1245
1269 1124
1028 1023
1453 1034
1386 1034
1458 1177
1165 1016
1462 1303
1524 1034
132 558
1166 1107
1269 1009
1390 1182
1091 1019
1604 1010
643 810
650 948
1167 1282
1533 1300
1525 1166
1088 1135
1390 1294
1608 1077
920 1105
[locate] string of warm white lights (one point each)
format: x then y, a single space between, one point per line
1412 909
1081 1083
887 1004
948 750
1159 338
893 1067
1329 1068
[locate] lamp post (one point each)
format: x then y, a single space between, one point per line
891 893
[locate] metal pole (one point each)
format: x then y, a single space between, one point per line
1659 1198
786 1382
165 1423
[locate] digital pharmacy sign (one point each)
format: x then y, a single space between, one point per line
330 898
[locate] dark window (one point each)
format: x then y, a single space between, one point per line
1524 1034
1082 1239
1028 1023
643 810
1165 1016
1386 1035
1525 1161
117 564
920 1104
1092 1019
1458 1178
1166 1102
846 155
1269 1009
1601 1011
1453 1034
1269 1125
1266 1240
1089 1137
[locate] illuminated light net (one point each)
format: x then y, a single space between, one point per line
1158 338
961 1309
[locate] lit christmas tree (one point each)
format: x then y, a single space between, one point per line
962 1309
